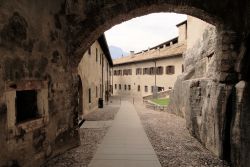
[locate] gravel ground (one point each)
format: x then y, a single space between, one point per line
173 144
90 138
82 155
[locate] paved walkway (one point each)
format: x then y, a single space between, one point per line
126 143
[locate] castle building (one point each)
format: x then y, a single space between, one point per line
95 76
153 70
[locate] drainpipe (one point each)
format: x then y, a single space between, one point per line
112 81
155 73
102 77
107 82
154 89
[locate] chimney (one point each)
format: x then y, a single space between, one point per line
132 53
182 27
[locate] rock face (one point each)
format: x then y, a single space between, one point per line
211 95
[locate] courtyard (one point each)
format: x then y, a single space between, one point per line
171 142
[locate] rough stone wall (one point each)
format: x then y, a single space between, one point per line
240 127
210 99
201 92
33 48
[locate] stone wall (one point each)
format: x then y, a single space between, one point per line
33 53
208 96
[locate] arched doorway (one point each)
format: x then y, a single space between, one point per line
54 35
221 81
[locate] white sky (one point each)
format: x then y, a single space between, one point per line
143 32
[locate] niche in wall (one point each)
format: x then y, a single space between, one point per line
27 104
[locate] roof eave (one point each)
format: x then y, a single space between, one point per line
103 43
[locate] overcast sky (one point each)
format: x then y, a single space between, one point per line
143 32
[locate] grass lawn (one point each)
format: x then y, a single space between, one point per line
163 102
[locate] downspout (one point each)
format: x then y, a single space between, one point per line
107 82
102 77
154 89
155 73
112 81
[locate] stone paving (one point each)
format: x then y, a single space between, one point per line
126 143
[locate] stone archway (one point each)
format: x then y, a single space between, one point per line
100 16
45 40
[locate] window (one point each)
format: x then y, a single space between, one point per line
182 68
170 70
159 70
100 59
139 88
138 71
26 106
152 71
125 87
129 87
115 86
160 89
120 86
96 91
124 72
89 95
145 71
120 72
127 72
146 89
96 55
89 51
